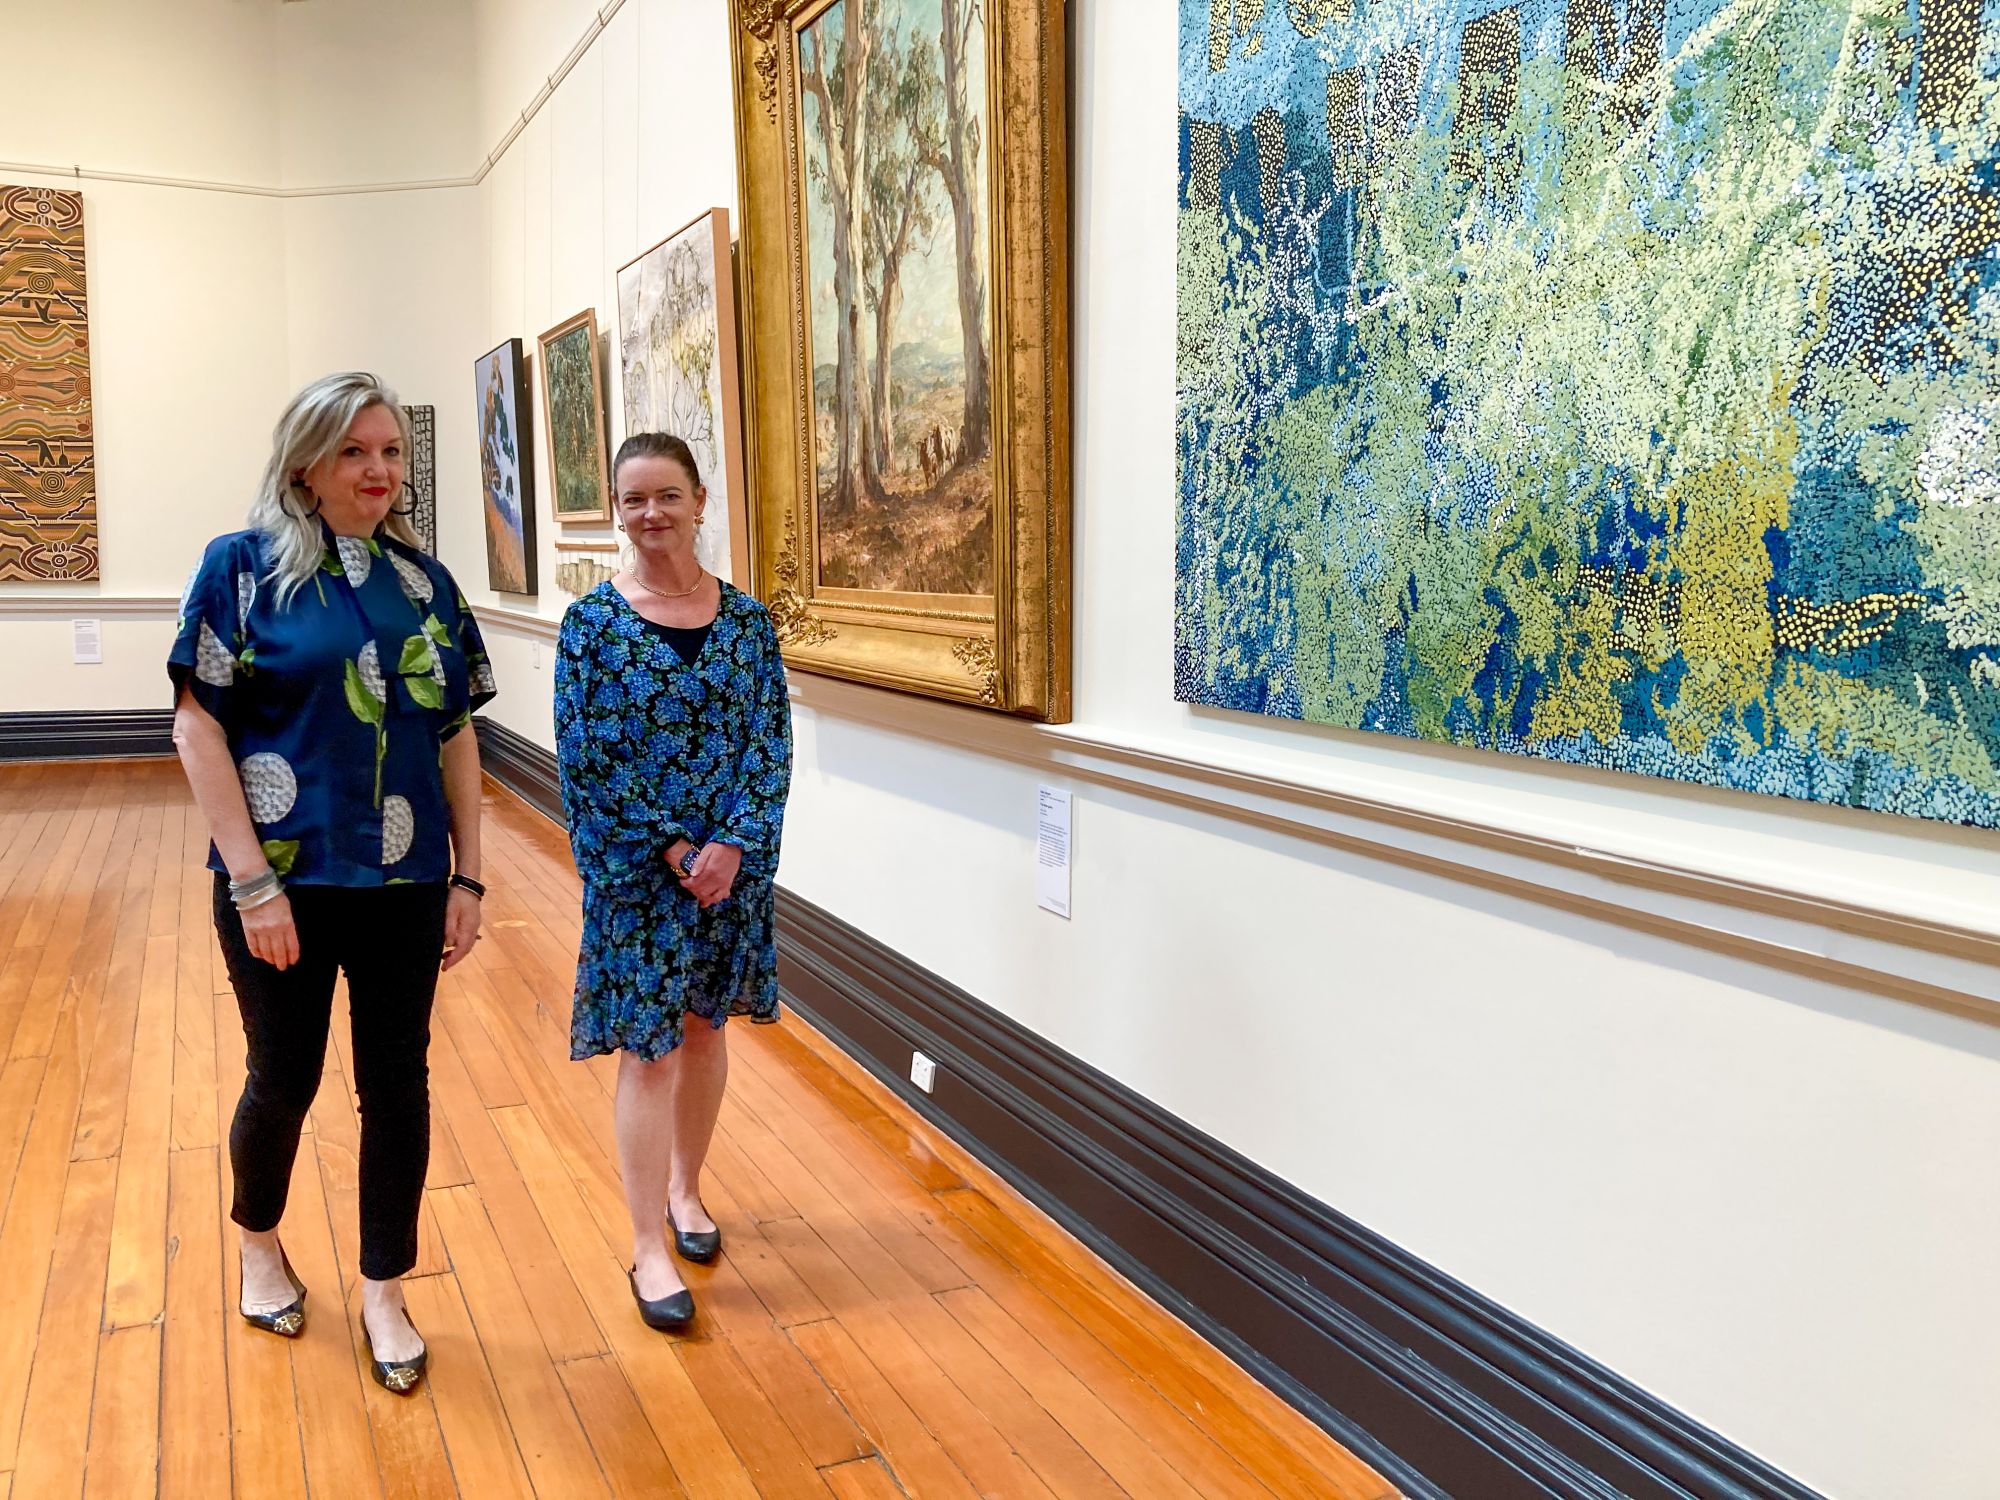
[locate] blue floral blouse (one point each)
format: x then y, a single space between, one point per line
337 707
653 749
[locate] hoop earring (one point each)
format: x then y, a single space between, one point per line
411 508
300 484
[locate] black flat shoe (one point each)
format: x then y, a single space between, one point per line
397 1376
669 1314
287 1322
699 1248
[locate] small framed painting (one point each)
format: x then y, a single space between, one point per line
573 408
506 476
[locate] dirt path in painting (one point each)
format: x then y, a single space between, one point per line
936 541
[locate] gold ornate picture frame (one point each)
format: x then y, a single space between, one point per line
911 510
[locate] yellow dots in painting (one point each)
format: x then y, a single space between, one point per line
1204 164
1947 52
1347 126
1269 126
1309 16
1844 625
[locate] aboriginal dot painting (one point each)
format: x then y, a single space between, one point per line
1612 381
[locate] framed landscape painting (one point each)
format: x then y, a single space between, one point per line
506 472
678 365
905 287
573 413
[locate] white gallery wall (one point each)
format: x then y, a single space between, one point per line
1566 1078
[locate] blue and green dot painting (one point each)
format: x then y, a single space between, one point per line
1612 381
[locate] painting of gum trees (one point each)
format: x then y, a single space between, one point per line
898 262
903 274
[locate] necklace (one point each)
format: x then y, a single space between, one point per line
700 578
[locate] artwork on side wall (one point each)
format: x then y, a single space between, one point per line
48 474
905 278
1618 387
582 566
573 406
506 469
422 474
678 370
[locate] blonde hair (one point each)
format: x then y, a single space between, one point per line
311 428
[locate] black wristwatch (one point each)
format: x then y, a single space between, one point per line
467 883
686 867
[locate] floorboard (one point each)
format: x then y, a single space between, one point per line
887 1319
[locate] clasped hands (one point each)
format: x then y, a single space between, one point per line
714 873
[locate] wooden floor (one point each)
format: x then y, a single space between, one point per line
887 1318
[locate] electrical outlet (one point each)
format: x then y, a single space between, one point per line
535 656
923 1072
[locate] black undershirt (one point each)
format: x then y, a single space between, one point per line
687 640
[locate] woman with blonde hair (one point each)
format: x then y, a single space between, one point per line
325 671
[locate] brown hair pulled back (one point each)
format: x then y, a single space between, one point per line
656 445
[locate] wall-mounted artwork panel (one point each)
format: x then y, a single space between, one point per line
905 255
422 476
573 412
48 473
1611 382
678 367
506 469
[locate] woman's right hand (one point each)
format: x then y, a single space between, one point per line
270 932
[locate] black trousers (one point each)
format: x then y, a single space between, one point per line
388 941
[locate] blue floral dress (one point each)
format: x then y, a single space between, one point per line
336 706
652 749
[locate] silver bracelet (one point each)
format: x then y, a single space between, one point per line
264 900
256 890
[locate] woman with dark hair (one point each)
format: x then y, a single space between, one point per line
325 671
674 741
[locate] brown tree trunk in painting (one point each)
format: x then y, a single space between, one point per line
906 86
958 165
882 430
843 140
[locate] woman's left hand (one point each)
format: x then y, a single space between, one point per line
714 874
461 926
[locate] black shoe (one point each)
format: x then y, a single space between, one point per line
669 1314
287 1322
699 1248
398 1377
